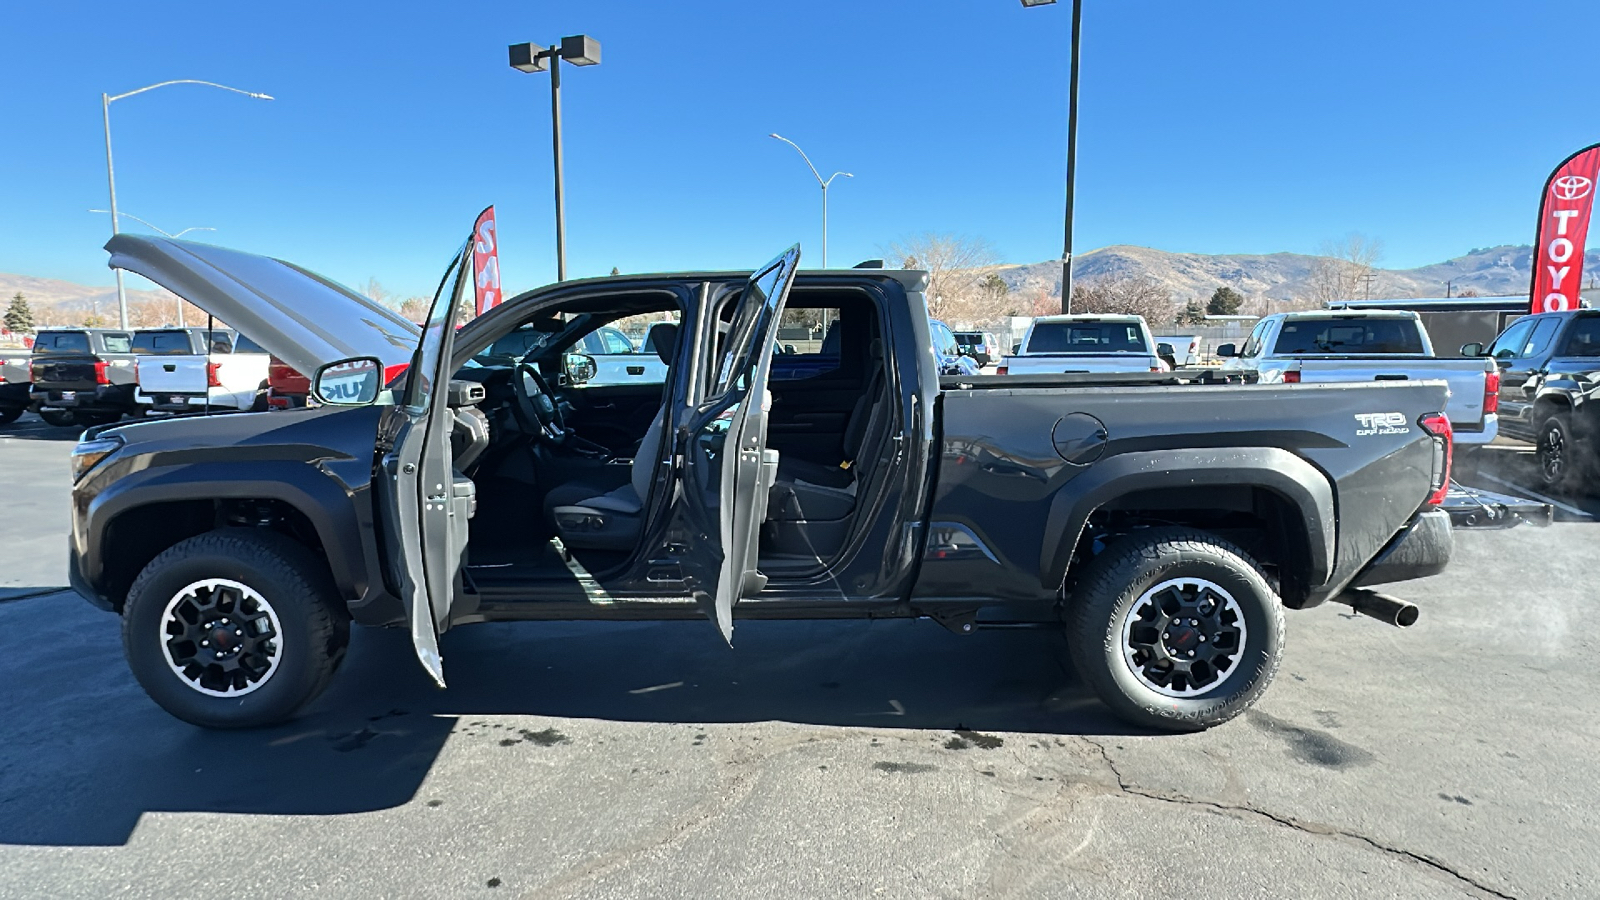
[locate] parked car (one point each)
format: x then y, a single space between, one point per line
1185 349
983 347
286 387
1549 392
82 376
1083 344
15 383
1368 345
1166 525
183 369
947 351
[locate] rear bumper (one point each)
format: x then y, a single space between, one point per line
1490 431
1421 549
100 398
218 398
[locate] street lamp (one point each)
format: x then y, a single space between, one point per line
168 234
1072 148
111 176
824 185
580 50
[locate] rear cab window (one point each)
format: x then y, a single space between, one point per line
1087 337
1333 336
58 343
162 343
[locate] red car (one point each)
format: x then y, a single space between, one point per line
286 388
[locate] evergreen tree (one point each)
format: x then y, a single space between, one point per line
18 316
1225 301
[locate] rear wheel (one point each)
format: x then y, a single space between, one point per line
9 414
1175 629
91 419
60 418
234 629
1557 453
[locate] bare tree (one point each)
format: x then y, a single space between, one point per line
1346 269
955 287
1138 295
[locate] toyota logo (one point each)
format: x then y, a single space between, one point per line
1571 187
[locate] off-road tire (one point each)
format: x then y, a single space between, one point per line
9 414
260 404
58 418
1555 435
1110 586
314 625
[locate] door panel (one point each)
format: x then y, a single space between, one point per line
429 505
726 467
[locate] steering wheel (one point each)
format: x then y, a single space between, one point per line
536 407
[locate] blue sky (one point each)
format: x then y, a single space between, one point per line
1210 127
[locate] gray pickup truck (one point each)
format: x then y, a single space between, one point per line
1164 523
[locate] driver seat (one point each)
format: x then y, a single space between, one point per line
588 517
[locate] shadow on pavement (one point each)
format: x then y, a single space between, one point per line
31 428
87 753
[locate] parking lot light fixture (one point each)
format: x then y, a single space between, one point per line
1072 148
579 50
1037 2
111 176
824 184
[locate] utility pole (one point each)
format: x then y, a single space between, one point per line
1447 286
1368 277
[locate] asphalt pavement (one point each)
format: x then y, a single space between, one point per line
891 759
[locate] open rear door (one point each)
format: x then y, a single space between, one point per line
426 510
728 468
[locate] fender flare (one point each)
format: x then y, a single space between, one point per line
1273 469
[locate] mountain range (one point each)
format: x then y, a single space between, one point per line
1489 271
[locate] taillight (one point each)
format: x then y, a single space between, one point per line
211 375
31 375
1292 376
1491 392
1002 370
1438 425
390 373
136 371
100 376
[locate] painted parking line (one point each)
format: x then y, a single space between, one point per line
1535 495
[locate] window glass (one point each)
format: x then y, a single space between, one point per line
754 313
944 341
161 343
1584 337
614 341
1539 341
245 345
117 343
1253 344
1510 343
1309 337
808 343
57 342
1087 337
425 363
624 350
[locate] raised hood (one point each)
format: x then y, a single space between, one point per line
298 316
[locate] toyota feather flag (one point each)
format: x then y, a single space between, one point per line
486 263
1563 231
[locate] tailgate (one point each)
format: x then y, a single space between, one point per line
1465 377
64 373
1051 364
173 374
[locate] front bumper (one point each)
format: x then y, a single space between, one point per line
1421 549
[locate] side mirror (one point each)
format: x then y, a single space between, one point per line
1226 350
1472 349
580 368
1165 349
348 382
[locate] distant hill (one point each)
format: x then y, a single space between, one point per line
68 302
1285 276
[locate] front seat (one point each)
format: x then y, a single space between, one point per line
587 516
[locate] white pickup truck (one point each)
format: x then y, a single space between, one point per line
1084 343
182 369
1369 345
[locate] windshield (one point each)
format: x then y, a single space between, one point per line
1087 337
1308 337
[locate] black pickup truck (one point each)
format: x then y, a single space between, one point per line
83 376
1549 388
1164 524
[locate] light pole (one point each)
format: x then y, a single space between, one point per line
168 234
580 50
823 184
1072 148
111 176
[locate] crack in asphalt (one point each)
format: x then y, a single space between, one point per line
1287 822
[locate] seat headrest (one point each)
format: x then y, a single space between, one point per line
663 338
875 349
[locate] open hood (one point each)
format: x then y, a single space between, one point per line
298 316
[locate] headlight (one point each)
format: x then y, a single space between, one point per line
89 454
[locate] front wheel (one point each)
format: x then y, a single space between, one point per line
1175 629
234 629
1556 452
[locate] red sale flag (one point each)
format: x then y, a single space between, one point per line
486 262
1563 230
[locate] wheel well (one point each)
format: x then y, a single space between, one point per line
1549 405
1264 524
140 534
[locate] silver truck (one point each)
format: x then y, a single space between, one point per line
1083 344
1318 347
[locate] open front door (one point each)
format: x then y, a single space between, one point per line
729 469
426 510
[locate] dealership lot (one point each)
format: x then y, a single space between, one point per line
892 759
